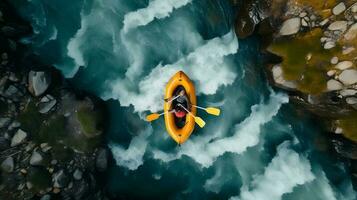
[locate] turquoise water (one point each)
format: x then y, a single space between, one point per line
125 51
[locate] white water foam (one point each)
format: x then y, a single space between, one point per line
246 134
287 170
206 66
132 157
156 9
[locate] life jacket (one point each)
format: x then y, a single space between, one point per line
180 114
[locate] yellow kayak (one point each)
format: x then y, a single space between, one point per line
180 133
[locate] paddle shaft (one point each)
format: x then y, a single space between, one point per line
186 110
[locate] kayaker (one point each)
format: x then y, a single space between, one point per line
180 98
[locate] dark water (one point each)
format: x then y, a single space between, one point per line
125 51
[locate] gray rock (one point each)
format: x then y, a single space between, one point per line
60 179
348 77
334 85
338 25
4 122
45 107
290 26
36 158
38 82
77 175
18 138
102 160
8 165
339 8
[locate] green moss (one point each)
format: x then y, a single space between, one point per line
40 178
59 152
309 73
349 127
89 120
30 119
52 131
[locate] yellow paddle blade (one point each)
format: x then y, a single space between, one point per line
200 122
213 111
152 117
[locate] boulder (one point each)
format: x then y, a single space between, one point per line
334 85
348 77
36 158
38 82
338 25
351 33
7 165
344 65
102 160
290 26
339 8
18 138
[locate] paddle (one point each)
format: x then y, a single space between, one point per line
210 110
198 120
154 116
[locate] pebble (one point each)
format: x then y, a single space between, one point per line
338 25
302 14
348 77
18 138
290 26
351 33
334 60
347 50
324 22
46 197
329 45
4 122
348 92
77 175
339 8
333 85
304 23
354 8
56 190
23 171
331 72
344 65
36 159
7 165
351 100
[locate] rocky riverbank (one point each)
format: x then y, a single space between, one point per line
316 45
51 136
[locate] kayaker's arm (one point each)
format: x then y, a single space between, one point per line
171 98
